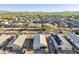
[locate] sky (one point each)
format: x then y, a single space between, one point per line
39 7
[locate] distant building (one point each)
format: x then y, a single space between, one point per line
17 44
39 41
74 40
61 45
3 39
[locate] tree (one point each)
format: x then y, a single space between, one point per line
77 32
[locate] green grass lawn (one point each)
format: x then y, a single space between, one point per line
64 14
